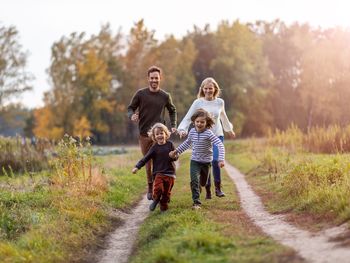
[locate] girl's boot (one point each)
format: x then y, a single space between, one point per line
218 191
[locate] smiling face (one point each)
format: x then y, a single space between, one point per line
209 91
154 81
160 136
200 123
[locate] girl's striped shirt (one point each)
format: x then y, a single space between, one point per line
202 146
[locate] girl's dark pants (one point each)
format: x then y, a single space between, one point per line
199 172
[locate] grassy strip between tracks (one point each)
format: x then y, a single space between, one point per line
219 232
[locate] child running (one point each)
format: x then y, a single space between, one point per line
202 139
163 166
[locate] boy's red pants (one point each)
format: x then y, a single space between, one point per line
162 186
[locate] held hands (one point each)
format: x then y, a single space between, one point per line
221 164
134 170
182 133
173 154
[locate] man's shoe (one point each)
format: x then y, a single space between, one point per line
153 205
149 196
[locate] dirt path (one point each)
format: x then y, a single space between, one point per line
312 247
121 241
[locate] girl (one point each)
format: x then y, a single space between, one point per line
163 166
207 99
202 139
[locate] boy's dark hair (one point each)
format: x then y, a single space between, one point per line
154 69
203 113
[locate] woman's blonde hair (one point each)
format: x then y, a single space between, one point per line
160 126
206 82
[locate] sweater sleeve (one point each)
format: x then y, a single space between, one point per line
185 145
186 121
134 104
146 158
226 124
172 112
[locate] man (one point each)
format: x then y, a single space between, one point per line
150 103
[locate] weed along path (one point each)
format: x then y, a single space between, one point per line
121 242
319 247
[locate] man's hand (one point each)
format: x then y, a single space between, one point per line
135 117
173 130
134 170
221 164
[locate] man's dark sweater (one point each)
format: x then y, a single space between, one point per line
151 107
162 163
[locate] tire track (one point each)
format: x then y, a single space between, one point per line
312 247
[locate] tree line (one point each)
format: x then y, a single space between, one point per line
271 75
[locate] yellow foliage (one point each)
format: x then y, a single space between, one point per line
82 128
44 124
103 105
94 72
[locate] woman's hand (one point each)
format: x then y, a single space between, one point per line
221 164
134 170
231 134
182 133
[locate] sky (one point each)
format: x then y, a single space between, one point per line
42 22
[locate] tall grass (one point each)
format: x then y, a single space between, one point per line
332 139
17 155
58 218
297 181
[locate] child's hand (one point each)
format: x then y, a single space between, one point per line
221 164
134 170
173 154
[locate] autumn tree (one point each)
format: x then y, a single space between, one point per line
241 70
140 42
84 74
176 58
13 77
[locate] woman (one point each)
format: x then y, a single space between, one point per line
208 100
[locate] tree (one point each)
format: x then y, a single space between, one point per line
243 74
13 77
176 58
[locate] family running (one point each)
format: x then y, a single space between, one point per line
208 117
